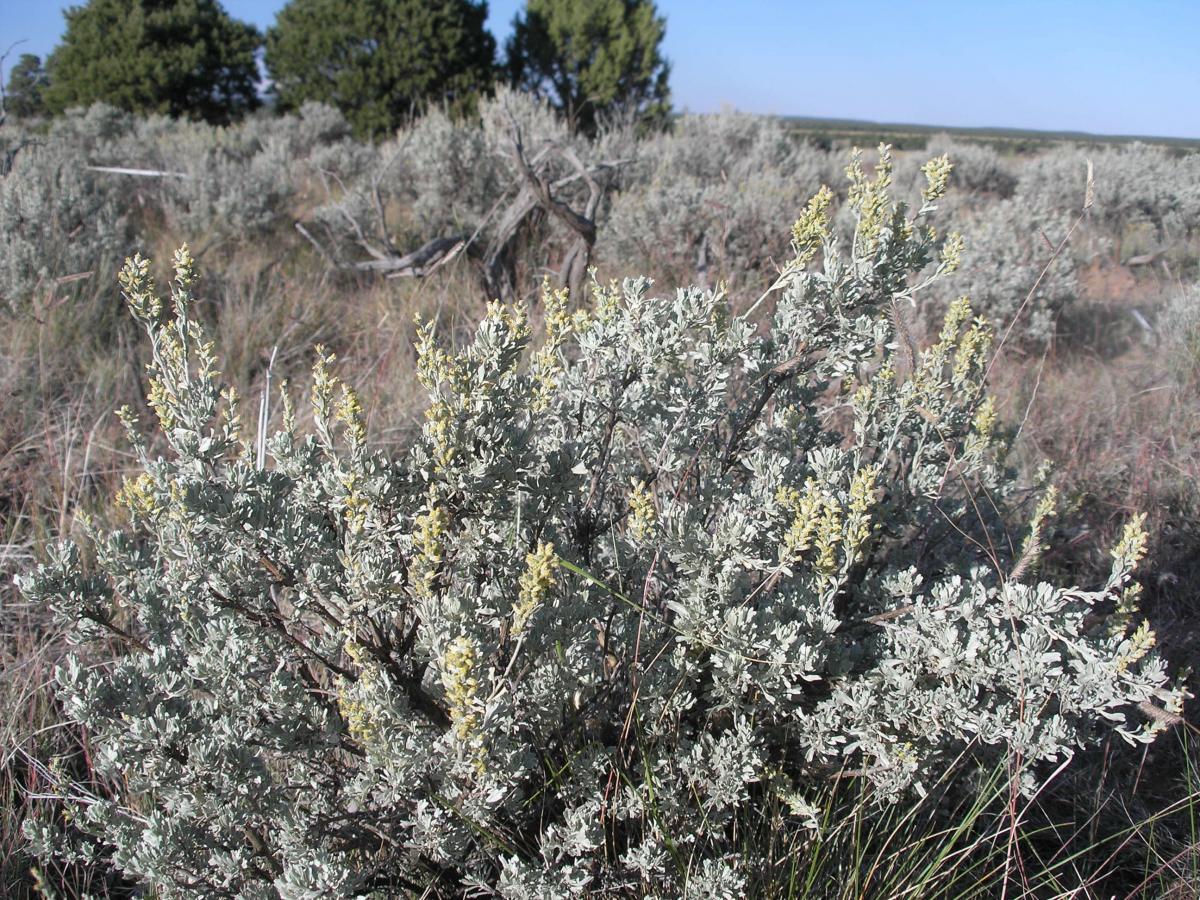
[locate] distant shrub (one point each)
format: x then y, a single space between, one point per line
235 181
1179 329
709 195
444 175
1010 270
457 172
1133 183
63 216
637 591
57 219
978 168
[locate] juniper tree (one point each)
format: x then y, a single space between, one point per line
592 58
185 58
380 63
27 82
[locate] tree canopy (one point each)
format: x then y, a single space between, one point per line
178 57
26 84
592 57
380 62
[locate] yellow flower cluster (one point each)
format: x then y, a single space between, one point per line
462 689
812 228
289 411
359 720
985 418
967 350
427 540
350 413
448 379
870 198
952 252
828 537
607 302
324 382
905 754
544 367
137 495
642 514
1132 546
862 500
185 267
434 365
1127 605
1139 644
171 365
233 412
354 504
514 318
937 177
138 288
862 396
439 421
806 508
535 584
1032 548
973 349
161 399
957 315
820 522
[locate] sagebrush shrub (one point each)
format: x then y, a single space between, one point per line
708 195
978 168
60 216
444 175
1014 269
57 220
1133 183
1178 327
638 589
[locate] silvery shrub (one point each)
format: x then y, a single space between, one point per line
58 219
1133 183
1178 330
639 582
62 215
707 196
979 169
445 175
1019 269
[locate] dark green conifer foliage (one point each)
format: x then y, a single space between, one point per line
178 57
380 62
592 57
26 84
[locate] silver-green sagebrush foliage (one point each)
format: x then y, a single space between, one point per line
706 198
1018 268
58 221
640 584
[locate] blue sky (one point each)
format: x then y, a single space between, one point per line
1102 66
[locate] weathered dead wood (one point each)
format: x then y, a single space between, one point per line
581 224
430 257
1144 259
425 260
534 196
141 173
